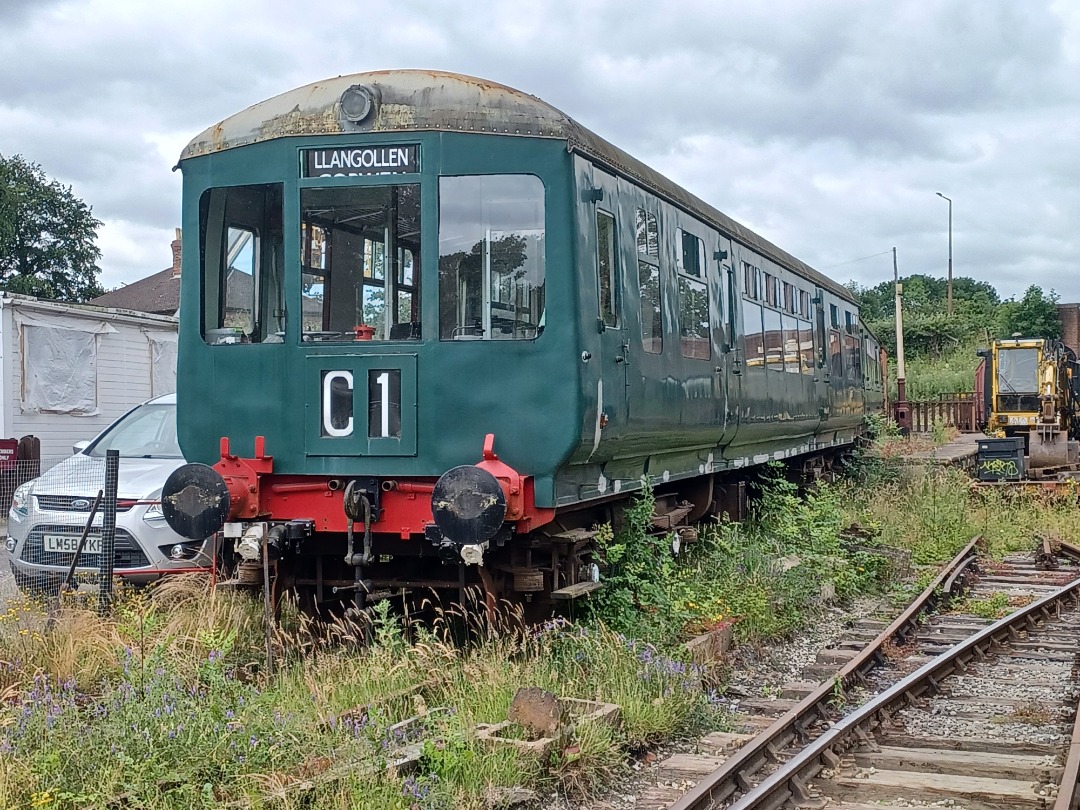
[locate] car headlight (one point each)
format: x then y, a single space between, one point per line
20 500
154 515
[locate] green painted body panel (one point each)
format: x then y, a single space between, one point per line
522 391
582 408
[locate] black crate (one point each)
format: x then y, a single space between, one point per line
1001 459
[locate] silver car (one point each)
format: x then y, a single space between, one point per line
48 514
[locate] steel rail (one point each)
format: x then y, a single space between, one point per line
1067 798
734 774
789 781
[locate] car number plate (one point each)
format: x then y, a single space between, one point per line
69 543
1018 420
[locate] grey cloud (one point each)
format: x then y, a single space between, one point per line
828 125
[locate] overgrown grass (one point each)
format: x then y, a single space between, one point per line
769 575
934 511
175 710
167 702
927 377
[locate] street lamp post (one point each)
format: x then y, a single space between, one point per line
949 290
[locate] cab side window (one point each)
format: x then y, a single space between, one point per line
242 265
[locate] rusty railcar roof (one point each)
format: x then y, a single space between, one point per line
417 100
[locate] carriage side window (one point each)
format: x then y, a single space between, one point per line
607 269
751 282
694 337
648 236
491 257
806 346
834 316
648 249
691 254
770 290
753 336
359 251
836 356
242 264
804 304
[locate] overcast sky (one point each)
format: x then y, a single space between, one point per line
827 125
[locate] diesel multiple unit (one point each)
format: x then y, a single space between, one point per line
433 331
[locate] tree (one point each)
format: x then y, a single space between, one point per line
47 236
1033 316
928 331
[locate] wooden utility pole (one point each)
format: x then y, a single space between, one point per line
902 413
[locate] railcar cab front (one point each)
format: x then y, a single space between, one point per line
367 305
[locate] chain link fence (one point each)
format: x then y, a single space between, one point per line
61 532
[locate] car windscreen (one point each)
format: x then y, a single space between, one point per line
149 431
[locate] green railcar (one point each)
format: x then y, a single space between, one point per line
432 329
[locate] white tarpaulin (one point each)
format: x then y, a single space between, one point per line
162 362
59 363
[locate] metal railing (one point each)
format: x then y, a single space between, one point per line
953 410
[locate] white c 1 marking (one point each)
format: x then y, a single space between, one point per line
327 384
383 381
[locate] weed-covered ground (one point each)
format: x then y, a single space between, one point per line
168 701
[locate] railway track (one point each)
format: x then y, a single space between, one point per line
947 709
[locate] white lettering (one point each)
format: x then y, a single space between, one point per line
383 381
327 389
369 160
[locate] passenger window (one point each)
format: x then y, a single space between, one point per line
360 248
648 236
751 282
648 247
491 257
753 343
804 304
691 254
607 269
242 264
806 347
694 331
774 339
652 332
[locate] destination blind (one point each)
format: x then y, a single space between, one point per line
360 160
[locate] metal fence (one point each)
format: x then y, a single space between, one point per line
61 527
953 410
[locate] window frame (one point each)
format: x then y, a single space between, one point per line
391 261
614 277
264 306
486 331
649 261
686 281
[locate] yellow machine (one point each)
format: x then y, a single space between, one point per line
1032 389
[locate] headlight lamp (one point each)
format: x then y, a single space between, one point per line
20 499
154 514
